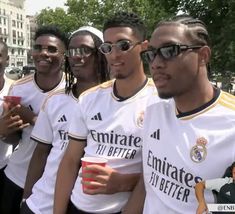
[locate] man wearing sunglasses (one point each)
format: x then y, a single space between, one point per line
189 138
108 124
48 55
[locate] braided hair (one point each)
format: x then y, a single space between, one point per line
102 68
196 30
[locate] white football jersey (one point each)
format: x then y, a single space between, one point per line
112 128
5 149
51 128
181 150
32 97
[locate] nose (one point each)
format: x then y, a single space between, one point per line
157 63
44 51
115 53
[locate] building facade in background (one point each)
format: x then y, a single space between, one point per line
15 31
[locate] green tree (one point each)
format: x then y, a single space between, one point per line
219 17
59 17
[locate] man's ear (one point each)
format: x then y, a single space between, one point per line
204 55
144 45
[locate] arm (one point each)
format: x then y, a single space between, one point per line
67 175
108 180
36 167
199 191
135 203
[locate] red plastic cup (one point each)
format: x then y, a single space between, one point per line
13 100
91 161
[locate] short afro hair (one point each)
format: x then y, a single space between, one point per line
125 19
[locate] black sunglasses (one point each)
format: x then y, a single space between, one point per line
81 51
167 52
50 49
122 45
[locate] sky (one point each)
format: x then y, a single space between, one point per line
35 6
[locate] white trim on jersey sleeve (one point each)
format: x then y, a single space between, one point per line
78 129
42 131
216 184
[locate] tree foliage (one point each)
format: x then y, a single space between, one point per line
218 15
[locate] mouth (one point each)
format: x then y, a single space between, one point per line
78 65
117 64
43 62
161 80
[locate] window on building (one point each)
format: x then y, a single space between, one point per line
12 51
14 41
13 23
4 12
14 33
5 31
4 21
0 30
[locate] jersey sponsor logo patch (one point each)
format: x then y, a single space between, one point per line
156 135
198 152
97 117
62 119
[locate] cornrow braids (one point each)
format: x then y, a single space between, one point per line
196 30
102 68
125 19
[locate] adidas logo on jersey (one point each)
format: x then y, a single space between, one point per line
156 135
97 117
63 119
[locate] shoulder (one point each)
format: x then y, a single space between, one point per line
58 98
227 100
23 81
106 86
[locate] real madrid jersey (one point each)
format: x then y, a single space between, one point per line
32 97
51 128
112 128
181 150
5 149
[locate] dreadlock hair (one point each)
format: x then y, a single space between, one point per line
196 30
52 30
102 68
125 19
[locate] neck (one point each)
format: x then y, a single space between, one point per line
128 87
196 98
47 82
80 87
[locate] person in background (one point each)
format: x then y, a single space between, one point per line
87 67
191 130
107 123
224 187
5 120
48 55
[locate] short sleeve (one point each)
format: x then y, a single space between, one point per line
42 131
78 129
